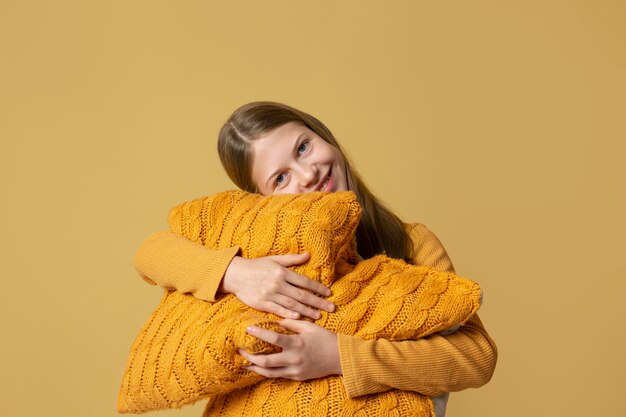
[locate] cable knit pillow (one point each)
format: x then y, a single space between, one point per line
187 350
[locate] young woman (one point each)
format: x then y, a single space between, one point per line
271 148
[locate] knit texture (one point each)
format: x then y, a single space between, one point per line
187 350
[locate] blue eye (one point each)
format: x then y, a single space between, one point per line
303 147
280 178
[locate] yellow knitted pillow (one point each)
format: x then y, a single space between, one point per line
187 350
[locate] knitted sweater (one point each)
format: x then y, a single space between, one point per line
434 365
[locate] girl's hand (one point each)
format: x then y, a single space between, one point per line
268 285
313 352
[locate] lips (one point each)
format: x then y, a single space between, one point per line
327 183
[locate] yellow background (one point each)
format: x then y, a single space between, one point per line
500 125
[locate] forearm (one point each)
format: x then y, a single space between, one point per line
431 366
173 262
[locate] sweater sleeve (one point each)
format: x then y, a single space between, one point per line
432 366
173 262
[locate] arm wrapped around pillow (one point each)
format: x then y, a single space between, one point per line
187 350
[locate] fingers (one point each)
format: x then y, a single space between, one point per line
287 306
311 352
299 300
290 259
284 341
308 284
267 284
278 371
288 371
294 296
264 361
276 364
297 326
297 279
266 372
281 311
299 294
295 308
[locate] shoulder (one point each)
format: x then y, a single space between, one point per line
427 248
416 228
420 234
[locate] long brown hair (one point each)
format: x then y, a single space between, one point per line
380 230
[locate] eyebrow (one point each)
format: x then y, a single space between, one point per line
296 144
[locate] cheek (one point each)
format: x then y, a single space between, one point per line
342 176
340 162
334 154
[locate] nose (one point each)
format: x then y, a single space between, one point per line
308 177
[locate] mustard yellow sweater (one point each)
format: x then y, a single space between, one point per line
431 366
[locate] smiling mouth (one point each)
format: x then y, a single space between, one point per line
327 183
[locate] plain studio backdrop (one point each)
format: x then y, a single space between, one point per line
499 125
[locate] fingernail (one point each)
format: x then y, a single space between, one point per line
251 329
294 315
331 308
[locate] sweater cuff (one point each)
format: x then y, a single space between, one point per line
354 382
209 278
176 263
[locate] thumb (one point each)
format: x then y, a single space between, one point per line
291 259
296 326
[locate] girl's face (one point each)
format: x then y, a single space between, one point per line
292 159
